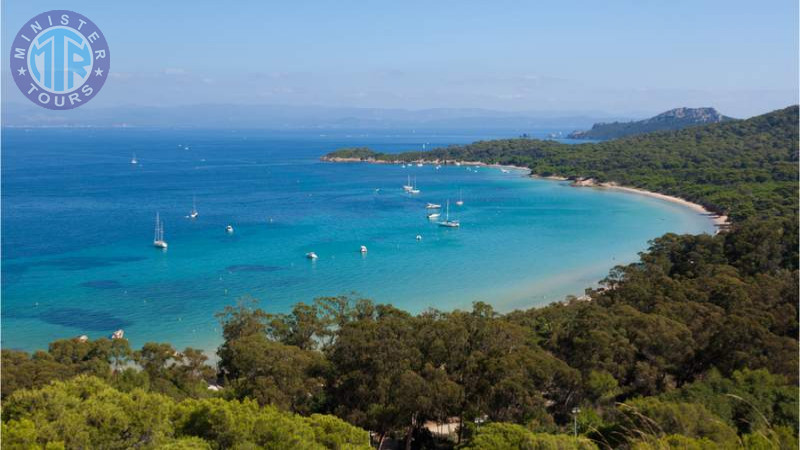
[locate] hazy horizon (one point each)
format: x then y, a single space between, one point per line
625 60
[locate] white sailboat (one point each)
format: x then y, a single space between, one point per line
134 160
447 222
194 213
460 201
158 239
414 189
408 187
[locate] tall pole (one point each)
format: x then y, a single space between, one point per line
575 427
575 412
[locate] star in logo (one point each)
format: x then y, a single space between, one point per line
21 71
98 72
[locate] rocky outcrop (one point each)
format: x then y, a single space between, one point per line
674 119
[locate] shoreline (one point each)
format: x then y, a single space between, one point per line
720 221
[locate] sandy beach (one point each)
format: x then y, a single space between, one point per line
720 221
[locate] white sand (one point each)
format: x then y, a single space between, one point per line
719 221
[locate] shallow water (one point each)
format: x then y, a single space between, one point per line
78 224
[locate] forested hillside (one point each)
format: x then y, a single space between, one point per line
674 119
741 169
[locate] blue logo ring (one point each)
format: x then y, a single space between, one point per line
60 60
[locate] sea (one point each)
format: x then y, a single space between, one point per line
78 223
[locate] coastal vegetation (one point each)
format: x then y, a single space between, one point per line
693 346
741 169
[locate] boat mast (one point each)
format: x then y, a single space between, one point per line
158 222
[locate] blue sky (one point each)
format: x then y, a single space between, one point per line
619 57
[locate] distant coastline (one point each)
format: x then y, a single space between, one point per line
720 221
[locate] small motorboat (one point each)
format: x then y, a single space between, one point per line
433 215
229 229
432 206
419 237
363 249
311 255
119 334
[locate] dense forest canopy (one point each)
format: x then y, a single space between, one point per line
692 347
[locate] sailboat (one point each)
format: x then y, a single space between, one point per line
134 160
414 189
408 187
460 201
447 222
158 239
194 213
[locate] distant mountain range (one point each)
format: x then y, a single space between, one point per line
674 119
288 117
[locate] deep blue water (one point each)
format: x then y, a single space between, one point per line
77 223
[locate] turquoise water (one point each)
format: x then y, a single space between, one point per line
78 225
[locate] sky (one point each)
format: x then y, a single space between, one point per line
617 57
